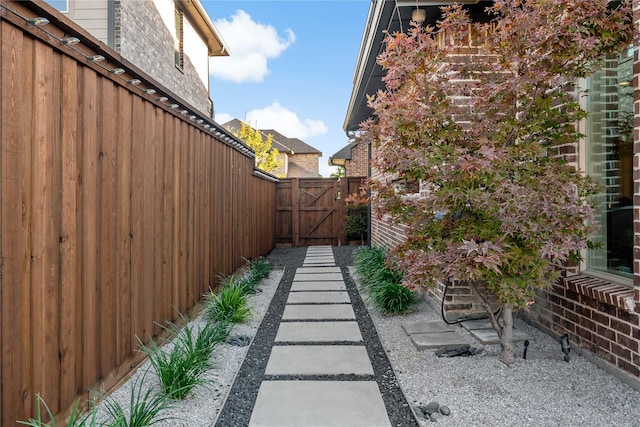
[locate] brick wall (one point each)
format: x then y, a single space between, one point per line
303 166
359 163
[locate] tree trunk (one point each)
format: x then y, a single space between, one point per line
506 338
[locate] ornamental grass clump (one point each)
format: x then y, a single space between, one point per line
144 409
228 305
76 418
259 269
383 282
181 368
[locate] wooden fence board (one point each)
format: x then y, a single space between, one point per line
107 220
124 346
70 322
15 326
89 206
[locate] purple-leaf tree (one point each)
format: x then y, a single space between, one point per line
480 115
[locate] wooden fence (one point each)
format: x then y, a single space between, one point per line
116 212
311 211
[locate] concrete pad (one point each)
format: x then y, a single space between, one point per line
337 285
318 331
486 336
477 324
426 327
319 403
316 277
318 312
319 360
437 340
317 297
318 270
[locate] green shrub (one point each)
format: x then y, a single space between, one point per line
228 305
382 282
181 369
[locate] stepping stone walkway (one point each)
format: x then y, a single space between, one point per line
319 336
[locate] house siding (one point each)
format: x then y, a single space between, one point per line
143 34
147 41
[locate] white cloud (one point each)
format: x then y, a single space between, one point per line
252 44
285 121
223 118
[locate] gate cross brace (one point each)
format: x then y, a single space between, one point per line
320 221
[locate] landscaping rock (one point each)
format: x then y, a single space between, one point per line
444 410
431 408
435 417
238 340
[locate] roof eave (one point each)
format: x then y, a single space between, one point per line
201 21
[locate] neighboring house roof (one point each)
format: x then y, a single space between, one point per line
292 145
201 21
387 16
280 142
341 157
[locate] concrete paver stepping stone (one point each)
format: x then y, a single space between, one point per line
490 336
318 270
477 324
318 312
318 297
316 277
321 264
426 326
438 340
337 285
319 360
319 261
319 403
347 331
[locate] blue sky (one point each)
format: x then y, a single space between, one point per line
291 66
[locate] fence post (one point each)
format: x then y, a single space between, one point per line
295 212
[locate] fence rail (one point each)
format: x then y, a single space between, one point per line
116 212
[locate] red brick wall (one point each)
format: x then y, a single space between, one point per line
359 163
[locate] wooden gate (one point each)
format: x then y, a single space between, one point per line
311 211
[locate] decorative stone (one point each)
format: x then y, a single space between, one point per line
434 417
431 407
238 340
444 410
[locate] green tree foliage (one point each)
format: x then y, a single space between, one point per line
501 209
266 156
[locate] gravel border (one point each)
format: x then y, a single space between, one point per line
202 407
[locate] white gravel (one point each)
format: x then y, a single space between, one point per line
202 407
542 390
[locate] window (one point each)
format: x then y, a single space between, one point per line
610 162
178 39
60 5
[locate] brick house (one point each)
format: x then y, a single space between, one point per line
354 158
171 40
598 303
299 159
